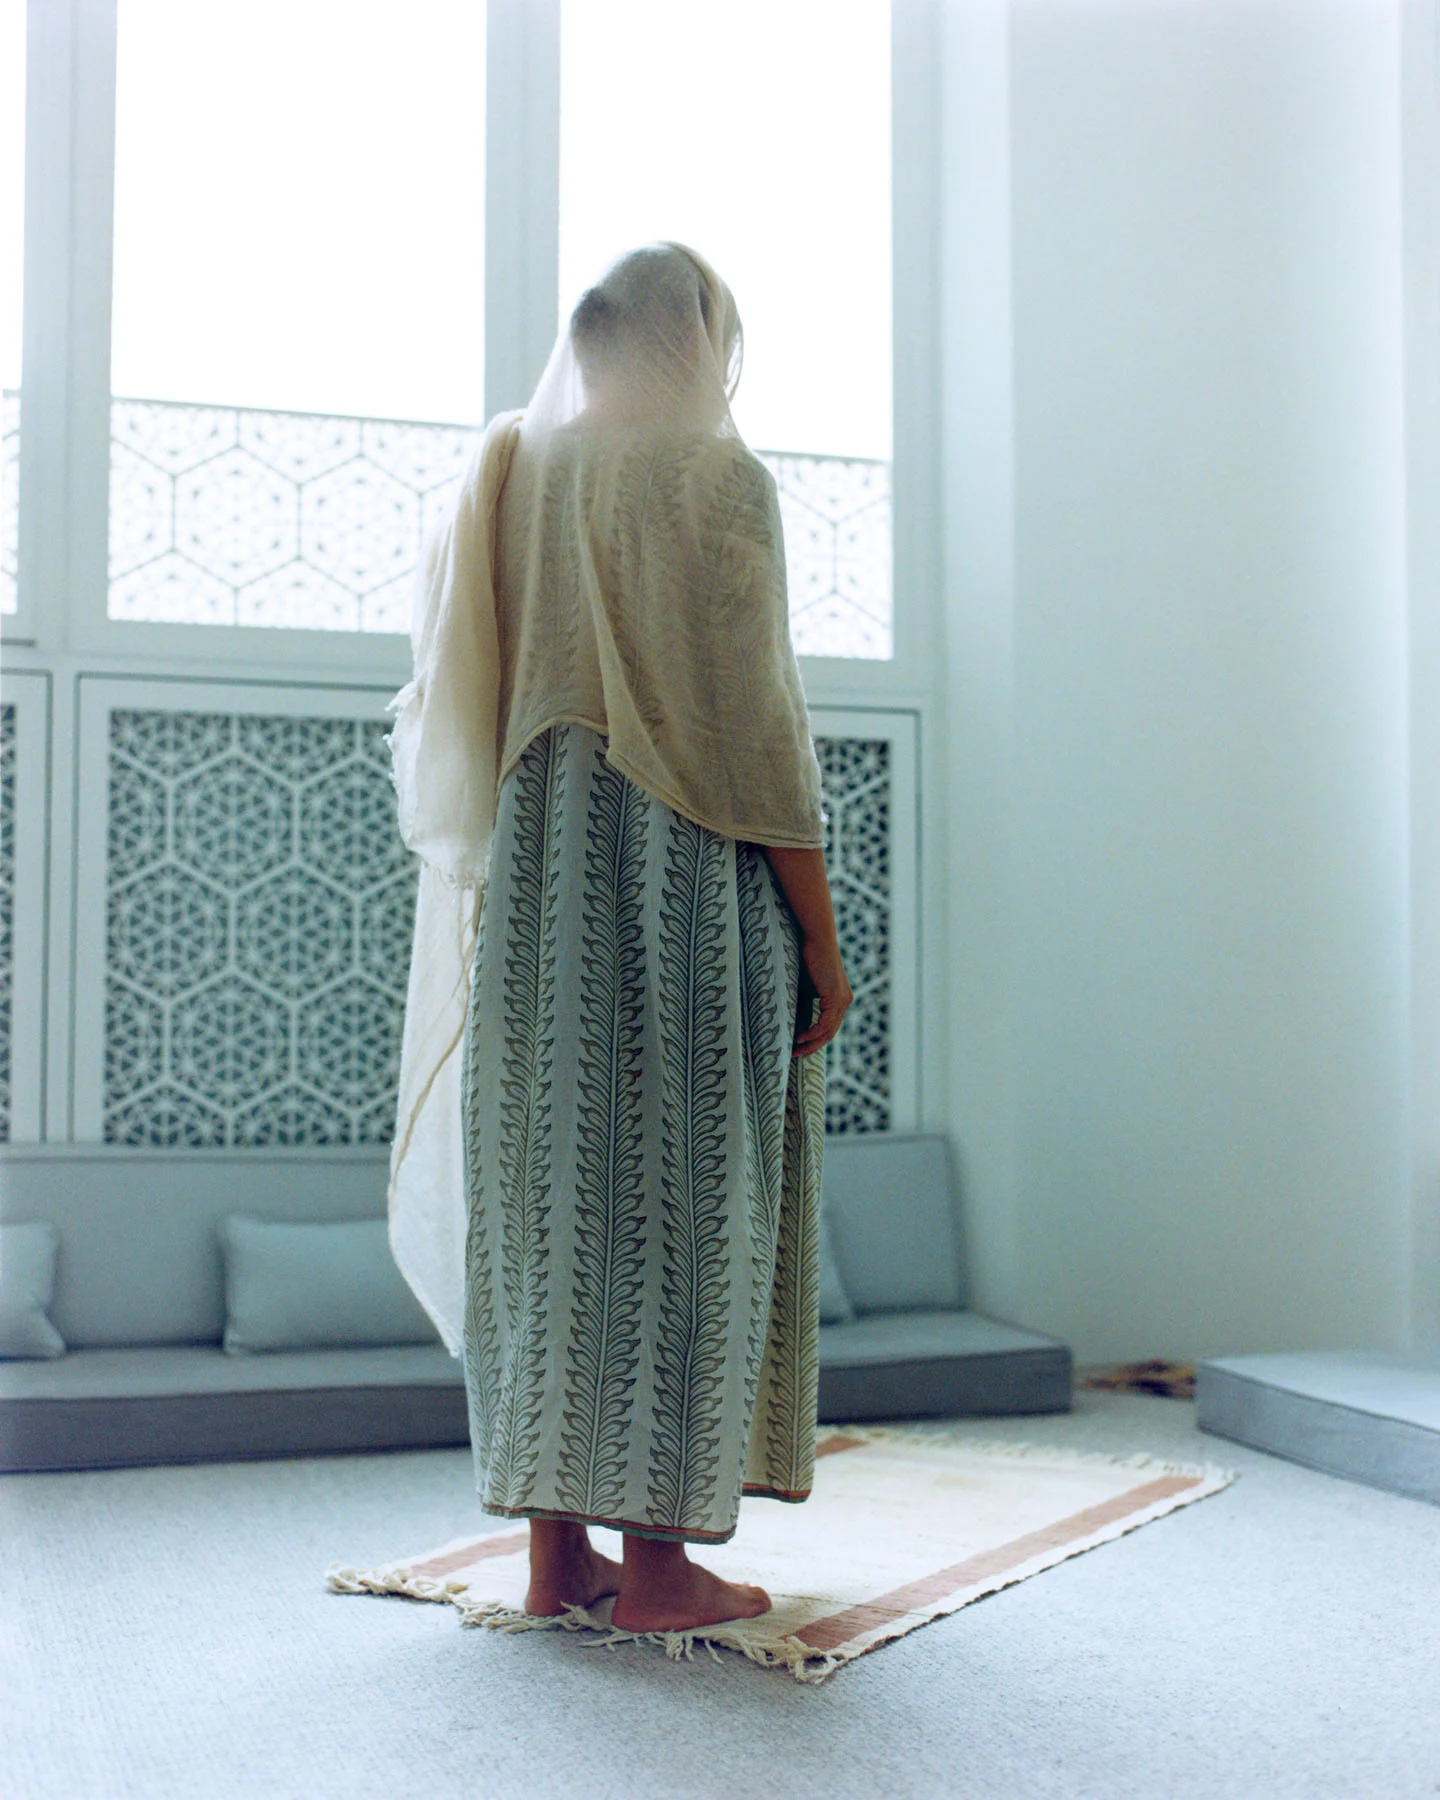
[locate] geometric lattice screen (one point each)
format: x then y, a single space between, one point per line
229 515
856 780
7 910
224 515
259 906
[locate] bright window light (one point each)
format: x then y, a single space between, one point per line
758 132
298 335
299 205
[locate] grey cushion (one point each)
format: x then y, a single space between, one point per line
835 1307
97 1409
297 1286
140 1258
917 1364
1369 1415
891 1206
27 1281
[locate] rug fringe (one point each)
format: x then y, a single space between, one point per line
799 1658
340 1578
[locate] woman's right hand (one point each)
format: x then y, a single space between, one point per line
822 978
802 878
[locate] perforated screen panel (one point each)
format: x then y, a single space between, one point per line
259 907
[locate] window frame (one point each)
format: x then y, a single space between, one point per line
65 434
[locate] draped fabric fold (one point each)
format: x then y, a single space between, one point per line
444 753
614 559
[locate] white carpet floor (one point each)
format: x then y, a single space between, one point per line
167 1635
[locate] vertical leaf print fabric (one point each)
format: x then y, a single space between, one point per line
609 1227
642 1161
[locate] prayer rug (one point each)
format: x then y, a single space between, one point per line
1170 1380
902 1527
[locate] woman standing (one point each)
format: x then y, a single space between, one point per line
611 1207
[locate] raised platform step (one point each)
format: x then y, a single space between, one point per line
1367 1415
113 1408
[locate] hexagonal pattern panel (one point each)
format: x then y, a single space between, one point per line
836 512
294 749
230 1040
228 824
260 908
296 931
166 929
349 1043
234 520
386 918
855 778
229 516
137 820
358 522
134 1037
337 821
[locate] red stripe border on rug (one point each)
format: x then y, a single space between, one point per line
840 1628
503 1543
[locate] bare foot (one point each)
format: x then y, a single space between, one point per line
686 1597
577 1577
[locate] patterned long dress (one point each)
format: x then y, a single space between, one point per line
642 1156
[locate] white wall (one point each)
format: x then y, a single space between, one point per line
1420 109
1176 640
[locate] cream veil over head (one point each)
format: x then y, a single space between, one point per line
615 558
655 342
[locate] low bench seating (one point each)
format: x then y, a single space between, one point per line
1365 1414
139 1301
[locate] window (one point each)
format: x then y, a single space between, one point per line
298 331
254 423
762 137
